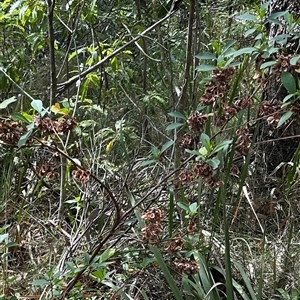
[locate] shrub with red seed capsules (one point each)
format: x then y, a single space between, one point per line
48 126
218 85
203 170
188 141
10 133
197 121
186 266
175 245
186 176
192 227
153 215
243 142
82 176
152 232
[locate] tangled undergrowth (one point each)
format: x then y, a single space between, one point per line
94 206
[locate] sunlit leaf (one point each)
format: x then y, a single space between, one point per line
193 207
37 105
3 237
6 102
109 146
203 151
21 117
106 255
294 60
114 64
58 110
213 162
288 97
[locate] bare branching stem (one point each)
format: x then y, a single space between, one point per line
65 85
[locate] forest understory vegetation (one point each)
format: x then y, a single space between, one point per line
149 150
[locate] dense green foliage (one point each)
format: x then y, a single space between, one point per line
139 150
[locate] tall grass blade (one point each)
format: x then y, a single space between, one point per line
167 274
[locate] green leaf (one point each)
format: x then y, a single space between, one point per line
40 282
246 50
6 102
276 15
11 244
247 17
206 55
275 21
203 151
148 162
99 274
288 97
86 257
3 237
205 141
227 47
177 114
37 105
213 162
241 291
23 139
249 32
221 146
183 206
268 64
172 283
281 39
289 82
193 152
284 294
155 152
166 146
234 64
294 60
284 118
20 117
70 265
193 207
205 68
173 126
106 255
246 280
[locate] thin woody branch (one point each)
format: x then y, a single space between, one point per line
65 85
